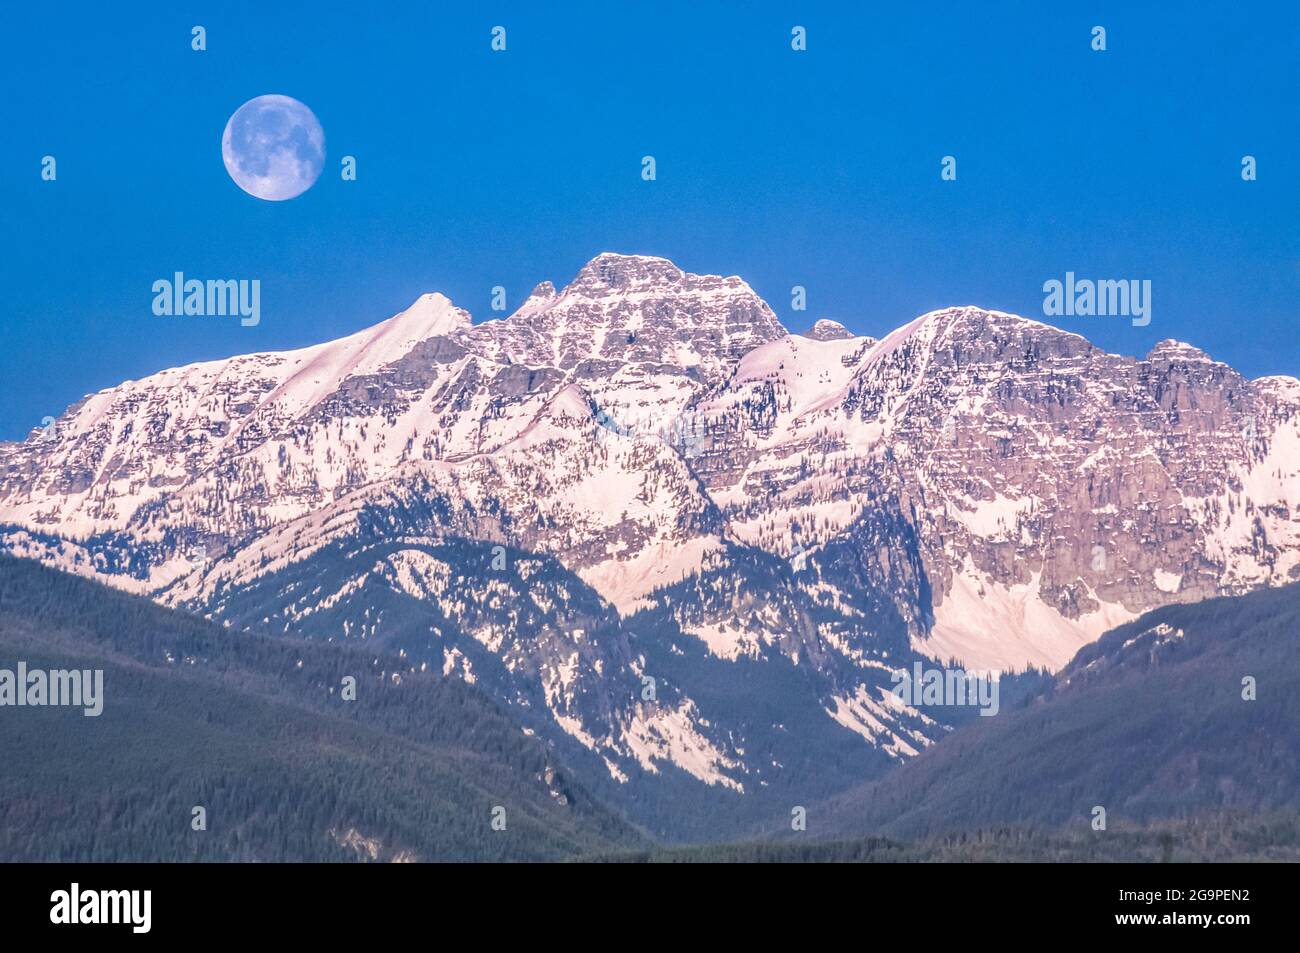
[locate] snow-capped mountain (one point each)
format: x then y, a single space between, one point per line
1054 490
644 476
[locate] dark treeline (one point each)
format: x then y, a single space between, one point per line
1218 837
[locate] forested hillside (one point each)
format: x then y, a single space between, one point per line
256 731
1187 711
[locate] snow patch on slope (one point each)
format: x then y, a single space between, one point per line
989 627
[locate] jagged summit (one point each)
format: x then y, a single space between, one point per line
997 335
1171 350
635 308
543 291
613 271
827 330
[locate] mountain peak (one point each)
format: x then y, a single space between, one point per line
636 308
429 315
827 330
544 291
1171 350
612 271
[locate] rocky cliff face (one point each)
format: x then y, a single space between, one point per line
1054 490
700 485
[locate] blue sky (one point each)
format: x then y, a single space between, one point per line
475 169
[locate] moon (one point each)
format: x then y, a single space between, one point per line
274 148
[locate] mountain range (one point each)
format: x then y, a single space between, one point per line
683 546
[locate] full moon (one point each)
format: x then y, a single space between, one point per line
274 148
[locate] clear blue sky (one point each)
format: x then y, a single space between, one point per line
477 169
